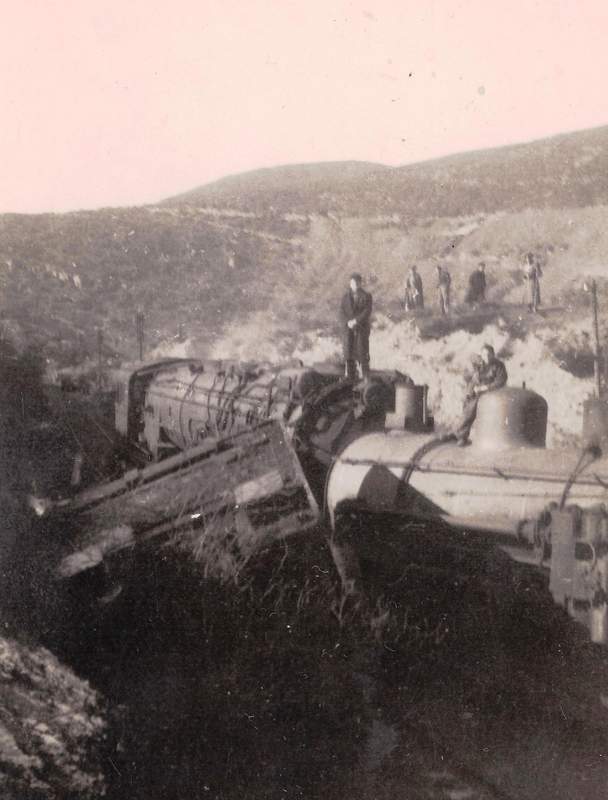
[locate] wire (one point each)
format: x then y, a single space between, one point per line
185 396
415 459
595 453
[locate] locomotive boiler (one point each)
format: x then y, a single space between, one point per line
543 506
503 480
176 404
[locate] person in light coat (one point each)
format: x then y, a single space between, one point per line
414 292
533 273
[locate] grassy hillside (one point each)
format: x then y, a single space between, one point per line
564 171
277 246
62 277
304 188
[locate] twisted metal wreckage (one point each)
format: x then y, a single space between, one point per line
245 454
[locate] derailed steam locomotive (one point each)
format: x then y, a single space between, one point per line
371 448
177 404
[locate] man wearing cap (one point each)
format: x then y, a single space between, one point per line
355 313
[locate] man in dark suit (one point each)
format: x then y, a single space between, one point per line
476 293
355 313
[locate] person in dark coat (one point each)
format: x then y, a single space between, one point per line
489 375
355 314
414 292
476 292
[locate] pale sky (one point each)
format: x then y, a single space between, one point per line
122 102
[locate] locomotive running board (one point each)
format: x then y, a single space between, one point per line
223 501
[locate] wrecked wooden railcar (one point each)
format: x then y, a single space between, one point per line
222 501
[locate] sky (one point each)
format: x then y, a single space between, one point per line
124 102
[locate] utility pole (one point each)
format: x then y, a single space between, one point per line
139 322
595 409
597 361
99 357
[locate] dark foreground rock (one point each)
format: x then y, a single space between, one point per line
51 728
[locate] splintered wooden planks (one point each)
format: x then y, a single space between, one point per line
222 501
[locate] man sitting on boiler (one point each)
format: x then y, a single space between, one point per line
492 375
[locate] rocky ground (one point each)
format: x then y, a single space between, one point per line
53 723
52 727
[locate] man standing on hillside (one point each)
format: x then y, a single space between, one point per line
533 273
489 375
355 313
414 294
443 286
476 293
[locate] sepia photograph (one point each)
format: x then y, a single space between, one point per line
304 400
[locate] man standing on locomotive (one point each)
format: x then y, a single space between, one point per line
490 375
355 313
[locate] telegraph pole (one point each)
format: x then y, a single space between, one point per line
595 409
139 323
99 357
597 361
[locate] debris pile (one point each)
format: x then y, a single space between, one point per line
222 500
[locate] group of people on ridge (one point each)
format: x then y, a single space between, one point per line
414 291
476 289
355 314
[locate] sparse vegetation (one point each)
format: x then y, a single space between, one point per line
282 243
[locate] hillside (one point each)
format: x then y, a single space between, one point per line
271 250
296 187
564 171
63 277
